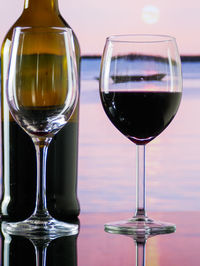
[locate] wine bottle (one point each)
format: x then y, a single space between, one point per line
17 150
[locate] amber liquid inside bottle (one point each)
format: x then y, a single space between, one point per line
18 152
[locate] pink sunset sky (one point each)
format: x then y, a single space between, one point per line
94 20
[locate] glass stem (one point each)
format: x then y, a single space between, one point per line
41 155
41 253
140 254
140 183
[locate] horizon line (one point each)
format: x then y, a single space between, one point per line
183 57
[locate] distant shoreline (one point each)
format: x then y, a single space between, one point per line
184 58
194 58
91 56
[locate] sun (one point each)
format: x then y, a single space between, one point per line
150 14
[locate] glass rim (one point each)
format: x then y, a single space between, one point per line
140 38
42 29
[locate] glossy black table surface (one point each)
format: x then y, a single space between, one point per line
94 247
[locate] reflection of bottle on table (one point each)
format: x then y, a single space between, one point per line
18 250
18 153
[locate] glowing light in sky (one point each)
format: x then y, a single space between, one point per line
150 14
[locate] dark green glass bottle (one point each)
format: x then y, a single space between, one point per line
17 150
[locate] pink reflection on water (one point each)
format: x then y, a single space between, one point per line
96 247
107 161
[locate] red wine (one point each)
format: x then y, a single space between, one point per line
141 116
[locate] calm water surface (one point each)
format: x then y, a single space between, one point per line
107 158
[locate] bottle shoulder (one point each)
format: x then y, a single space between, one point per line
9 32
48 20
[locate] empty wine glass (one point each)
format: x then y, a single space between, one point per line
42 92
140 90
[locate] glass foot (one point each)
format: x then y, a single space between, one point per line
46 226
140 227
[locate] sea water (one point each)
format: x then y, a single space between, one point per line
107 158
106 180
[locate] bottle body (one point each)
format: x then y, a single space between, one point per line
18 153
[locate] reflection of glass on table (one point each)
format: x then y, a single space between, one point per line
38 250
140 241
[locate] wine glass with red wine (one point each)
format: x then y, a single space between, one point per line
140 90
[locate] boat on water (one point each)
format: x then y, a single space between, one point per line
125 78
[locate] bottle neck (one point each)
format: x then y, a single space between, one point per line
46 5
